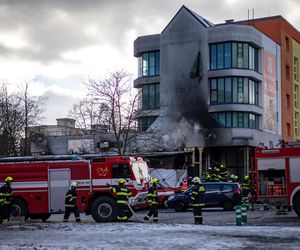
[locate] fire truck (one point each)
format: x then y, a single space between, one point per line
40 183
277 177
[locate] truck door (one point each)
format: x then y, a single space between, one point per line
59 182
121 170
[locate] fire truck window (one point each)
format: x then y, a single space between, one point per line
272 182
120 171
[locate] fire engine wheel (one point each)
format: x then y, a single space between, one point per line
104 209
19 208
297 205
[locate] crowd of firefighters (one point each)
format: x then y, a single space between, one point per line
123 198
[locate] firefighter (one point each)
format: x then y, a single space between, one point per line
245 188
215 177
223 173
71 203
233 178
153 201
5 200
123 194
198 200
190 183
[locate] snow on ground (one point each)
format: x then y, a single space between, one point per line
132 235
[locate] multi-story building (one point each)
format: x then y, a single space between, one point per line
284 34
213 88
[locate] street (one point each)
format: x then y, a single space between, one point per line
264 230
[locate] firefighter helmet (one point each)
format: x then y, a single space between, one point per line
74 184
121 181
9 179
154 180
196 180
246 177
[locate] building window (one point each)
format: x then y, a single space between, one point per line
297 124
145 122
287 72
287 43
233 90
233 55
296 95
288 130
288 101
296 69
237 119
149 64
150 96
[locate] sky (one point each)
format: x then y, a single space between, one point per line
57 44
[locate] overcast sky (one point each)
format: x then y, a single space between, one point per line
58 43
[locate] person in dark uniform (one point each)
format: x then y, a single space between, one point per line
197 197
223 173
122 194
245 188
152 201
5 200
71 203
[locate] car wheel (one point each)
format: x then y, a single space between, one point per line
179 206
228 206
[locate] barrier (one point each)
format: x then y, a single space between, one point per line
238 216
244 213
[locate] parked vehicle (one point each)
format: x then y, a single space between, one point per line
218 194
40 183
140 200
277 179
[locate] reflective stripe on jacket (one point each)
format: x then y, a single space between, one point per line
152 196
198 195
71 198
5 194
122 193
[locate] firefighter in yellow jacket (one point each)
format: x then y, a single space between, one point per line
71 203
122 194
5 200
198 200
153 201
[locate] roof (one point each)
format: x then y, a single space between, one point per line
199 18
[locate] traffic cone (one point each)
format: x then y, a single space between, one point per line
238 216
244 213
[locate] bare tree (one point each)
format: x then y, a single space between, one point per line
121 101
89 113
10 123
33 108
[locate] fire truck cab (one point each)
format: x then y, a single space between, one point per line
277 173
40 183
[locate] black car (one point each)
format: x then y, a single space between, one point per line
218 194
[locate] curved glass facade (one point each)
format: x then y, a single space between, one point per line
237 119
233 55
233 90
150 96
149 64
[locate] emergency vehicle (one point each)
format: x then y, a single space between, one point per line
277 177
40 183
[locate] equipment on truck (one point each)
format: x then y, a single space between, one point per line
276 177
40 183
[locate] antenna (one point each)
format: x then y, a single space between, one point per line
248 14
253 13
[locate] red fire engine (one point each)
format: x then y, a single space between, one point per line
40 184
277 176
